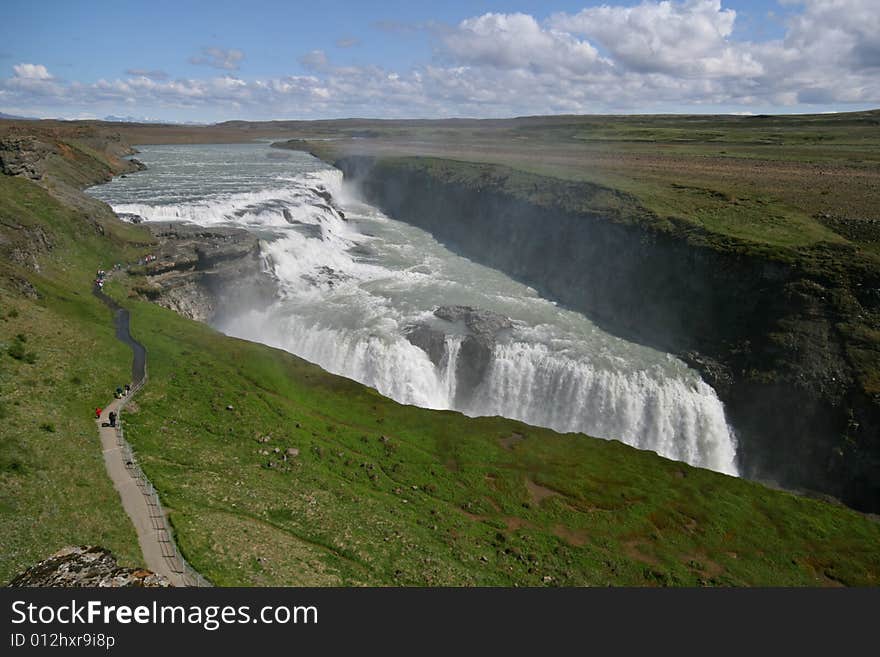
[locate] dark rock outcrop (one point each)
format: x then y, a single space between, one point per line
130 217
24 156
86 566
331 205
196 266
61 164
479 330
36 156
429 339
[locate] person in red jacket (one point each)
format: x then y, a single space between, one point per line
98 413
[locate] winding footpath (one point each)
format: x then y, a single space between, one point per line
139 498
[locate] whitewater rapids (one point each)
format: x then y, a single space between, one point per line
354 281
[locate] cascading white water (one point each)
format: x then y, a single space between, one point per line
680 419
350 290
378 359
449 366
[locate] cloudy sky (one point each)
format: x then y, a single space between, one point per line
212 61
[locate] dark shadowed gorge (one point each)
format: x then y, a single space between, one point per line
774 332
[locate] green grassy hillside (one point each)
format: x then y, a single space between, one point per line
58 361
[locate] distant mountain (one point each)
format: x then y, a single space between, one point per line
130 119
3 115
134 119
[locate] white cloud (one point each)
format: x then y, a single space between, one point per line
31 72
512 41
656 56
679 38
839 30
829 54
219 58
148 73
315 60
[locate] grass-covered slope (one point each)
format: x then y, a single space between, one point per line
377 493
58 361
54 490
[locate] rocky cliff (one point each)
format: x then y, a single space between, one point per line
61 164
86 566
82 159
773 336
192 267
196 271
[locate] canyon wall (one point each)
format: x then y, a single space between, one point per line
764 332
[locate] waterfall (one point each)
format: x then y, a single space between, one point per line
449 366
679 419
353 281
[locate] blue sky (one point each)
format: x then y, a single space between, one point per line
222 60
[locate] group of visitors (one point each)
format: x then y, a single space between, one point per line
101 275
111 416
121 391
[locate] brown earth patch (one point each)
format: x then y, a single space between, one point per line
631 550
65 150
821 570
575 537
473 516
511 441
513 523
706 566
539 493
